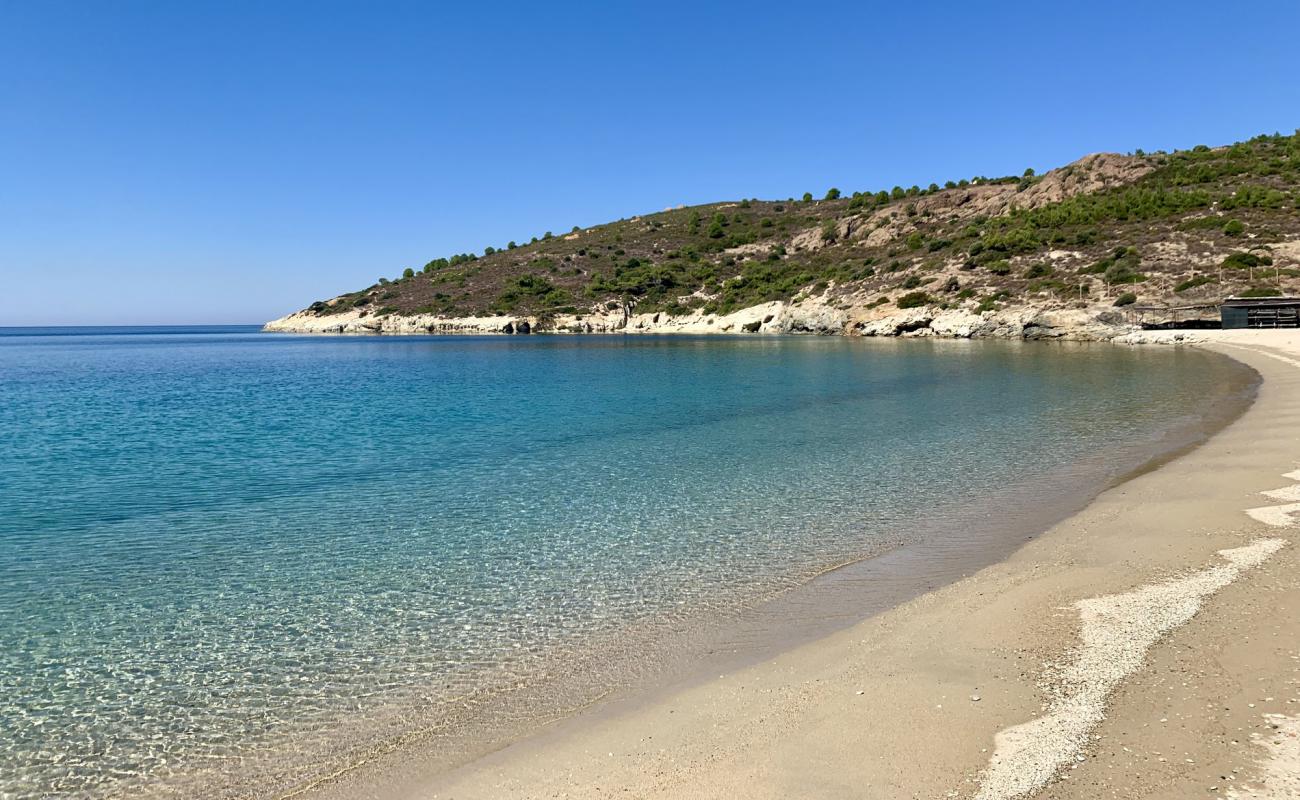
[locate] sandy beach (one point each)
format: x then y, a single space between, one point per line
1144 647
415 401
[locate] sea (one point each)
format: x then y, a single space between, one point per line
232 562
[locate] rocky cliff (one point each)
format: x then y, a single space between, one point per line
1094 323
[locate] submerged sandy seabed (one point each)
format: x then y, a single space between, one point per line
1148 646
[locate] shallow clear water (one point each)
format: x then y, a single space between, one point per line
219 548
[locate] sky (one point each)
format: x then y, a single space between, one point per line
230 162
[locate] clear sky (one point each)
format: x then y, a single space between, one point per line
191 162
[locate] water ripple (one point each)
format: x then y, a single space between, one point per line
223 554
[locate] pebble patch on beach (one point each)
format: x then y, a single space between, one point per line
1117 631
1279 516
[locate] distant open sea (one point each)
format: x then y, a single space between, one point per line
230 560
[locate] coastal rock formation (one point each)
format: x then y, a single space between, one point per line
1095 323
1092 173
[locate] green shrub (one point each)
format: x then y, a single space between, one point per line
1261 291
1038 271
1122 266
532 291
915 240
1127 204
833 194
1046 285
1253 196
1200 224
990 302
1233 227
1246 261
1121 272
999 267
1126 299
914 300
1014 240
912 282
1192 283
408 273
807 197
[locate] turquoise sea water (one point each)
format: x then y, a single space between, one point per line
220 550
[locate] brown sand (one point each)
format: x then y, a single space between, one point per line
910 703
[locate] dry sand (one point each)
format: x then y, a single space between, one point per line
1147 647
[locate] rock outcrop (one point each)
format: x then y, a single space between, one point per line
812 316
1092 173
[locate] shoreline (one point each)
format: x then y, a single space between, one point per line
654 710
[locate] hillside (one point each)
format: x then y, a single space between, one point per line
1105 232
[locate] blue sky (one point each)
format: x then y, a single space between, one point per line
187 162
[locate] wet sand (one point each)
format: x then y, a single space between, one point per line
923 699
